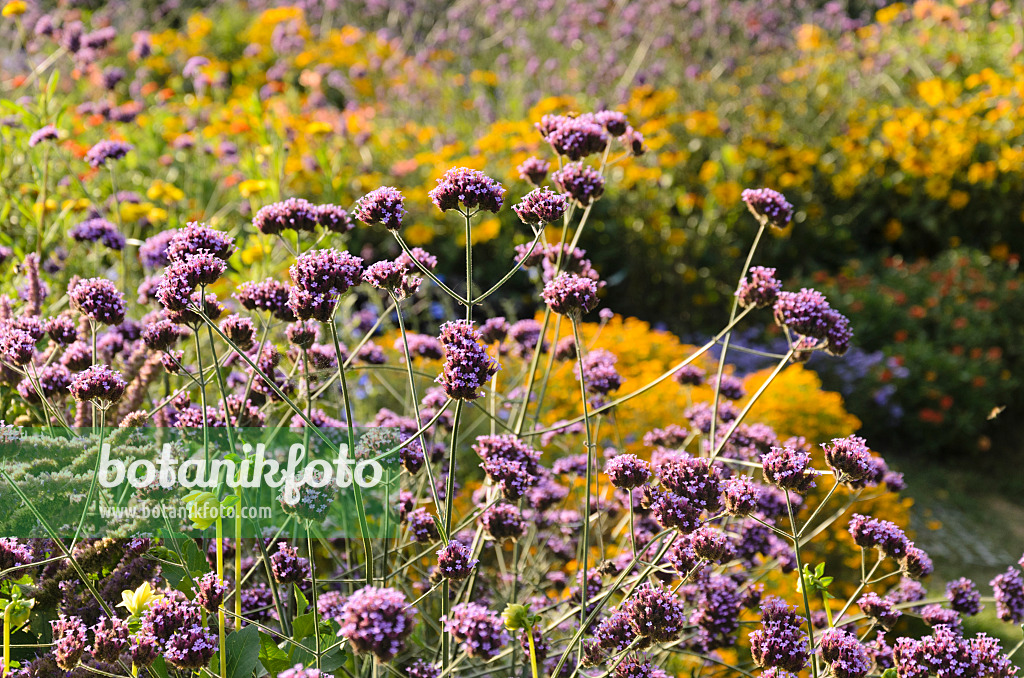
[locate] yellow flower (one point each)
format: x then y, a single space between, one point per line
203 508
139 600
893 230
15 8
959 199
161 190
251 187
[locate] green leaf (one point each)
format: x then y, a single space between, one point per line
335 659
243 652
194 559
301 602
273 658
302 627
159 668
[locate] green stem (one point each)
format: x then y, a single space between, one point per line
448 507
533 652
202 394
803 589
312 588
469 265
590 472
220 608
7 637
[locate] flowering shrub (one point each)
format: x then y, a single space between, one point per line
572 497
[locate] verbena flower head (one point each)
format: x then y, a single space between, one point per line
570 294
44 133
627 471
267 295
110 639
740 495
98 384
689 375
333 218
808 313
614 121
293 214
455 561
534 170
378 621
240 330
481 632
541 206
772 206
849 457
494 330
422 525
584 183
196 238
417 255
302 333
153 251
467 187
789 468
393 277
574 137
964 596
1008 588
760 289
695 478
883 535
729 386
385 206
655 613
320 278
946 654
503 521
62 329
781 642
845 655
211 592
98 230
68 641
106 150
191 647
287 566
17 346
467 367
99 300
599 373
881 610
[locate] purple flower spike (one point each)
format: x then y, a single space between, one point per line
570 294
377 621
106 150
471 188
99 300
480 631
467 367
385 205
455 561
772 206
759 290
533 170
541 206
584 183
98 384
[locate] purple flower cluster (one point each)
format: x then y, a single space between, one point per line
570 294
877 533
655 613
287 566
384 205
948 654
849 457
716 613
584 183
1008 588
68 641
780 642
378 621
392 277
105 150
772 206
694 478
267 295
882 610
471 188
599 373
455 561
44 133
740 495
98 384
534 170
509 463
503 521
808 313
98 230
211 592
293 214
845 655
481 632
760 290
320 278
964 596
789 468
574 137
110 639
541 206
198 238
689 375
99 300
422 525
467 367
627 471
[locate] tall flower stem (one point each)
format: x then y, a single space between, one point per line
220 608
449 501
469 264
8 611
590 473
803 589
312 590
732 317
202 395
350 429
